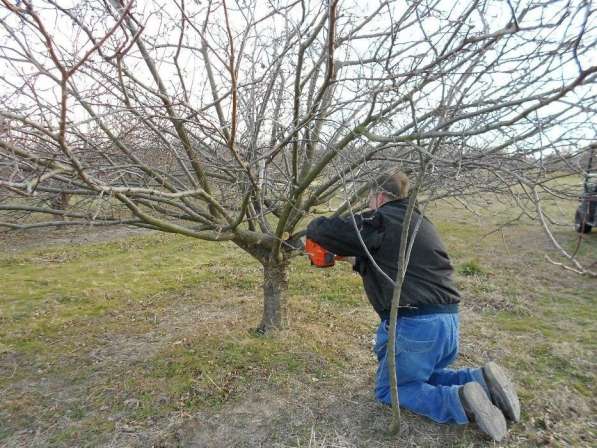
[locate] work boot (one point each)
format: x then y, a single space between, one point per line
503 393
479 409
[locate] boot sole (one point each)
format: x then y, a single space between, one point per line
488 417
502 391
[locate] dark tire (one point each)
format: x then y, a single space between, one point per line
579 225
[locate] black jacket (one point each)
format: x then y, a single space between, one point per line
428 286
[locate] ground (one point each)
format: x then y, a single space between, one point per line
120 338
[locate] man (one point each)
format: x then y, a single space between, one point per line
428 321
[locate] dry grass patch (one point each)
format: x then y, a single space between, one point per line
148 341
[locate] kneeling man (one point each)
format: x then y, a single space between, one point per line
428 320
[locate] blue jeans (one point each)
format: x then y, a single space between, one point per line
425 346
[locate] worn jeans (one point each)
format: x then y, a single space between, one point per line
425 346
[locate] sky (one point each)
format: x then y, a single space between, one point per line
160 20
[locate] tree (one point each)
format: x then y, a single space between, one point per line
234 120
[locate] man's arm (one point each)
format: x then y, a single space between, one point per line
338 235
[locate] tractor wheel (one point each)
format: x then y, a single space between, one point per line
579 223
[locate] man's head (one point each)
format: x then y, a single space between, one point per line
390 188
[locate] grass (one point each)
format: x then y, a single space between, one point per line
471 268
124 340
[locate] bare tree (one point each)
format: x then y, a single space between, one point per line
233 120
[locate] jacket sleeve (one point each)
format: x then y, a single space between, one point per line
338 235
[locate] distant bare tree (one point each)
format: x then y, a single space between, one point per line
232 120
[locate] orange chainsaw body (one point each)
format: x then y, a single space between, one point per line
319 255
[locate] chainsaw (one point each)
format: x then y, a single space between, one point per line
319 255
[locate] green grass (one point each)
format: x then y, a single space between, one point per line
471 268
45 290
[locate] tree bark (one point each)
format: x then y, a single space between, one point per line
275 287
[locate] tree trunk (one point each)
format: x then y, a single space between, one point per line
275 287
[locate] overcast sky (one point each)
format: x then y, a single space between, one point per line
161 20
